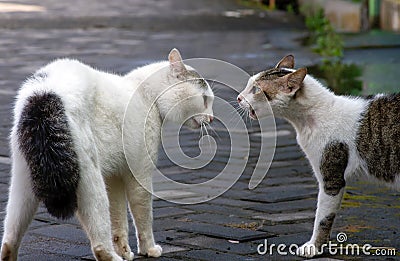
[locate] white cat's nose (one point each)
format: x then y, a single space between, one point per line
240 98
211 118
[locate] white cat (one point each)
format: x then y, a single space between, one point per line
340 135
67 148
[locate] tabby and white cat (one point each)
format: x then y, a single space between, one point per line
67 148
341 136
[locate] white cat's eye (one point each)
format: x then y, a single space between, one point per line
205 101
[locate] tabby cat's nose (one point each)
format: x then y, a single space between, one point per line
211 118
240 98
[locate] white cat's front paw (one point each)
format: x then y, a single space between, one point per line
308 250
154 251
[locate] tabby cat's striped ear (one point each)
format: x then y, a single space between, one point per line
293 81
286 62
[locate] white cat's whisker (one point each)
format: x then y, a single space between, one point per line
213 131
208 135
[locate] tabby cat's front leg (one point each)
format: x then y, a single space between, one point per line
326 211
140 203
331 188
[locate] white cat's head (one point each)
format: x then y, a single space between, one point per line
189 98
278 86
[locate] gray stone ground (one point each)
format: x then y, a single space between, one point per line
120 35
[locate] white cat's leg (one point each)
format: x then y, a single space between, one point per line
22 205
119 217
93 213
140 203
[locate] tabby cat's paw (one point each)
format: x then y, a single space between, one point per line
308 250
154 251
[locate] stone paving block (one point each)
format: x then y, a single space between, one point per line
285 206
225 210
206 255
175 194
286 229
172 249
46 217
158 203
220 219
331 259
228 201
275 181
164 258
5 166
238 194
4 191
3 196
4 161
53 245
46 257
292 155
37 224
282 142
292 163
204 242
171 211
283 193
162 224
4 180
287 217
293 148
229 233
298 239
88 258
63 231
166 236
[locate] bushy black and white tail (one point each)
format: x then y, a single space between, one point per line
46 142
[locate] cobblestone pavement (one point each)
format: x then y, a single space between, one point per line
120 35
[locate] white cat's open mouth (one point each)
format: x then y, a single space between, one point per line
196 124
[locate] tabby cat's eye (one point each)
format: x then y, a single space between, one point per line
256 89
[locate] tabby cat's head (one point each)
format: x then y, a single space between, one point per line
279 86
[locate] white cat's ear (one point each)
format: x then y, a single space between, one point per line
286 62
176 63
293 81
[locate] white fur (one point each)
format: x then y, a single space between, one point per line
95 103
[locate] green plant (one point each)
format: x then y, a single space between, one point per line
327 42
341 78
290 9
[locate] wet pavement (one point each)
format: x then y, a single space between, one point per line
377 54
122 35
